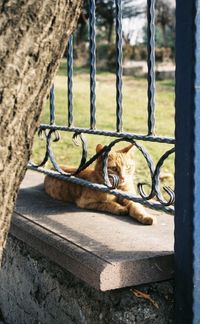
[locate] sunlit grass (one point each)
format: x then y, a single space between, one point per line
134 116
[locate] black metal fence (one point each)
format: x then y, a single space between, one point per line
155 198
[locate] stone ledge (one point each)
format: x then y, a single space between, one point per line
35 290
106 251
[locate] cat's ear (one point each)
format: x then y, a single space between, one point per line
99 147
128 149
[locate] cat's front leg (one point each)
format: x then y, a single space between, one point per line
138 212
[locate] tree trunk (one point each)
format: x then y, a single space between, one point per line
33 37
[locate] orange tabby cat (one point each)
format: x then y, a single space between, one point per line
120 163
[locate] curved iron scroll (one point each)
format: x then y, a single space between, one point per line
111 181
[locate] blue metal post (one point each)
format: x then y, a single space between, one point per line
196 223
187 207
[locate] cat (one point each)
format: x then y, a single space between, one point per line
120 163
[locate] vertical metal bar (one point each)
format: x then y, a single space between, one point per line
52 105
92 21
70 80
118 4
187 164
196 222
151 65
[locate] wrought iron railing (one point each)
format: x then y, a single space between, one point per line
51 131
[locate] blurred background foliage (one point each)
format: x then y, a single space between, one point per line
133 49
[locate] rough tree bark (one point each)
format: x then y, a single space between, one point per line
33 36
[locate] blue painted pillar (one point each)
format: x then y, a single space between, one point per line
187 188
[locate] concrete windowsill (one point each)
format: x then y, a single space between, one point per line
106 251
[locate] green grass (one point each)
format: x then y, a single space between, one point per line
134 116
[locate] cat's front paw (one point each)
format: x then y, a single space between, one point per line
148 220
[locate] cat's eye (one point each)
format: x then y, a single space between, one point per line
128 168
114 169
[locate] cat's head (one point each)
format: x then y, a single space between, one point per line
120 163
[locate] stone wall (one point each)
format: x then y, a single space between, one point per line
35 290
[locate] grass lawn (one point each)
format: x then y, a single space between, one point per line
134 116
